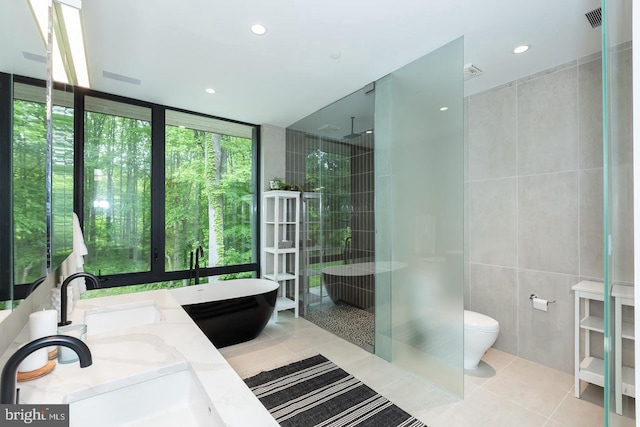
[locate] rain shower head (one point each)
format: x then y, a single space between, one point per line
351 135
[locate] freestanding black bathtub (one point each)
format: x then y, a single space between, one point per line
231 311
354 284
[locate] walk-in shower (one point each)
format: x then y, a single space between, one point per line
383 216
330 154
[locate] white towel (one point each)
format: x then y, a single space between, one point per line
79 250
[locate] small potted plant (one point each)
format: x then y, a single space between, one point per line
276 184
290 187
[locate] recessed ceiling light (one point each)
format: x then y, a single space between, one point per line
521 49
336 54
444 108
209 90
258 29
369 131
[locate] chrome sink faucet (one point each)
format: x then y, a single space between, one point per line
10 370
63 293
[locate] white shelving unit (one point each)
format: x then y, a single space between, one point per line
591 369
625 376
310 247
280 240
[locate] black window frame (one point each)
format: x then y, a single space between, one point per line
157 271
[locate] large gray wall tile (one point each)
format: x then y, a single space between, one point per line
590 114
548 123
492 222
493 291
273 160
546 337
591 225
621 197
492 134
559 215
621 118
548 222
621 230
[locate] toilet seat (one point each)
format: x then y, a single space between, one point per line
479 322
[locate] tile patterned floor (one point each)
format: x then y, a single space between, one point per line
505 391
351 323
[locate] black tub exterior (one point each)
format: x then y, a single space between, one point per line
234 320
355 290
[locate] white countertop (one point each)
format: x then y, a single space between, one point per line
143 352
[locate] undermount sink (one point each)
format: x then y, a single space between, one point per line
174 399
116 317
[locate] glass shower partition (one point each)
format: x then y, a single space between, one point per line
419 217
618 210
330 157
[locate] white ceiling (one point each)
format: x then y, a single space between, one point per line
179 48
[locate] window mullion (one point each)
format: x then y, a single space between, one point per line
157 190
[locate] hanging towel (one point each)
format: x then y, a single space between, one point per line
79 248
79 251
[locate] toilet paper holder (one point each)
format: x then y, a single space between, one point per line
532 296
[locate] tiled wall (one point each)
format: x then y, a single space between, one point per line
533 203
296 153
361 216
362 196
358 213
272 161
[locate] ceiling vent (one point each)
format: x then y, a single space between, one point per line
594 17
120 77
471 71
370 88
33 57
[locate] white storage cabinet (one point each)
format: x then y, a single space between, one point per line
280 251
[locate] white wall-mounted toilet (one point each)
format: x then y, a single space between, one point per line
480 332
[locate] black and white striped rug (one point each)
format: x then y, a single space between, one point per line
316 392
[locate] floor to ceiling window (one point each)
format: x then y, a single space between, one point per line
152 184
209 193
117 187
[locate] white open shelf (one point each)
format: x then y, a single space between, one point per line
628 381
593 323
273 250
628 331
592 370
280 277
283 303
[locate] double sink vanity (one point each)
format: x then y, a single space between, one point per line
152 366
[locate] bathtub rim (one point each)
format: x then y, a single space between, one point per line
222 290
362 268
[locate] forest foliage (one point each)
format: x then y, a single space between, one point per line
208 192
